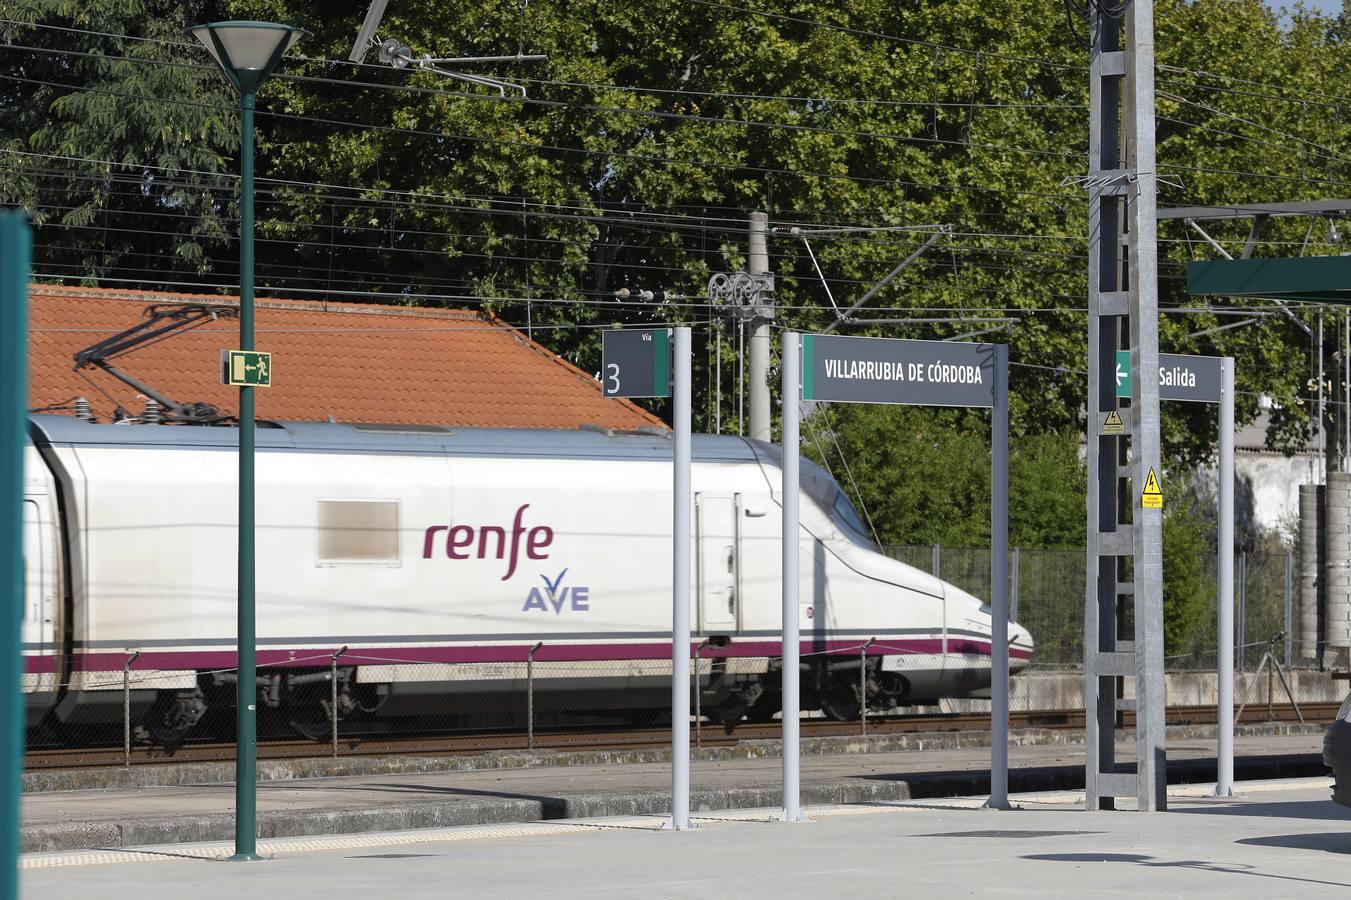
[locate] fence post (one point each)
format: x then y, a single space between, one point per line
1242 606
937 561
126 709
698 691
863 686
1271 677
530 696
333 694
1289 603
1013 583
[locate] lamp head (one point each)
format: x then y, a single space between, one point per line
247 52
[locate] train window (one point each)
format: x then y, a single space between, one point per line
358 531
847 514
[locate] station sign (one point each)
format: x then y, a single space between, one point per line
635 362
1194 379
246 368
889 370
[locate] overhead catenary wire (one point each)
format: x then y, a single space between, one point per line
500 257
660 114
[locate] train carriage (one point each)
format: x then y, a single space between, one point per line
440 559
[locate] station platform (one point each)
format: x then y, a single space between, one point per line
125 817
1283 838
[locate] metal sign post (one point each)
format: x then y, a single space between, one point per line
918 373
790 361
1224 762
1210 379
15 250
638 363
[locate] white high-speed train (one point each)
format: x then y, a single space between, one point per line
416 547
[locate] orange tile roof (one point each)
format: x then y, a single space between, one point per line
352 361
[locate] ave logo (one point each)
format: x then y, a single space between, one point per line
556 597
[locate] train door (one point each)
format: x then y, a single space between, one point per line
39 614
718 566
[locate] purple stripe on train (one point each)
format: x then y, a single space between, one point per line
319 656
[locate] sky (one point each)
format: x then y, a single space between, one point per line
1331 7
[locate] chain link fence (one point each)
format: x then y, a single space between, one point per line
1046 596
343 701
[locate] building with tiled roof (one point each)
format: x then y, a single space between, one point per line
348 362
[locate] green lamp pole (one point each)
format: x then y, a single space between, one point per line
16 247
247 53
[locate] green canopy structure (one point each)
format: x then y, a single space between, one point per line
1322 279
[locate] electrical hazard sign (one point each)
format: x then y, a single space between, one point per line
1112 424
1151 497
246 368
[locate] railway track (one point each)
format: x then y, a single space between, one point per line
613 739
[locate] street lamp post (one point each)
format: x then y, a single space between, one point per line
247 53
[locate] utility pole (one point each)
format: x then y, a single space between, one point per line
750 297
757 263
1125 517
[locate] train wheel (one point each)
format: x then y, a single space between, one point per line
840 704
763 709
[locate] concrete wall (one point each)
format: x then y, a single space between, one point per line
1064 691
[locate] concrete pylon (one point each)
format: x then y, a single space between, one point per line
1310 569
1337 573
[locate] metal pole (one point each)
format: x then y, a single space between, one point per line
717 370
126 709
789 366
936 562
246 700
1322 440
1271 679
863 686
999 584
757 263
333 694
683 502
1242 607
15 254
530 696
1224 782
1289 603
1105 321
698 693
741 382
1140 204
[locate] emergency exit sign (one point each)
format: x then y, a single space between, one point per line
246 368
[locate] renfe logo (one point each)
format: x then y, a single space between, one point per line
491 541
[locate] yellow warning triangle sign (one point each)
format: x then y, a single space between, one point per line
1112 424
1151 497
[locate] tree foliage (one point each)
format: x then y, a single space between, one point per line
644 141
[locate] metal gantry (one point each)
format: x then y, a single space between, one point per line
1123 621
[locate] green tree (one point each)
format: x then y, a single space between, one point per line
645 140
1189 590
923 475
126 180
